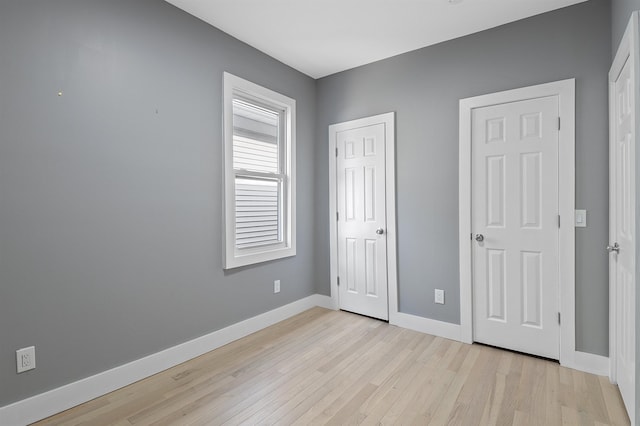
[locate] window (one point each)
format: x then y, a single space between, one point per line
259 174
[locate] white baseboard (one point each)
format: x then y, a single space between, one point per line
54 401
582 361
324 302
426 325
589 363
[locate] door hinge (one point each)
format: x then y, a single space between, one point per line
471 236
558 123
558 318
558 221
338 281
336 151
337 216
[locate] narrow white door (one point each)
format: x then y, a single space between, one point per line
362 222
515 225
622 229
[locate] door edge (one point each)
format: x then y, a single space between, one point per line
627 50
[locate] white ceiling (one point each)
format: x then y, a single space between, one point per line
322 37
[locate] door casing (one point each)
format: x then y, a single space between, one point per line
388 119
565 90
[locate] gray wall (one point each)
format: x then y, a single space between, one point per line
424 87
110 196
620 13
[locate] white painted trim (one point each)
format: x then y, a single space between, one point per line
464 224
589 363
54 401
428 326
565 90
612 278
616 67
333 225
323 301
233 85
388 119
57 400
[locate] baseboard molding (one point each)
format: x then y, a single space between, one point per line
324 301
54 401
582 361
589 363
427 325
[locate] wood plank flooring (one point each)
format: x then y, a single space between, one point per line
336 368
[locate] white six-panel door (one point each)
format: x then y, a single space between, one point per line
515 225
361 203
622 229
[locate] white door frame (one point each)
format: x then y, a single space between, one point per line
388 120
627 50
565 90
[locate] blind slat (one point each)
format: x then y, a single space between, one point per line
255 155
257 212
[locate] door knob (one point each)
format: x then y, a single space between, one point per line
479 238
379 231
615 247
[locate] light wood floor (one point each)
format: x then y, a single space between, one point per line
327 367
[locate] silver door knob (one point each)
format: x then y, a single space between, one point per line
479 238
615 247
379 231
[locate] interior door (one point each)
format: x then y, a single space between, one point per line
515 223
361 230
622 229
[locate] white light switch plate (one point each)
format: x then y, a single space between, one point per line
581 218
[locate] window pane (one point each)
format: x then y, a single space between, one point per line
255 137
258 204
259 174
254 155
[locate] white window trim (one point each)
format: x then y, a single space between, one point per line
231 257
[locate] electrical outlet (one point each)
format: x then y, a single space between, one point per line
276 286
26 359
439 296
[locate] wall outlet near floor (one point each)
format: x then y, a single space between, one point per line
26 359
276 286
439 296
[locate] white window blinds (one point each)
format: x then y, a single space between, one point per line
257 212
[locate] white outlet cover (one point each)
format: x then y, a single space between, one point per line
26 359
439 296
